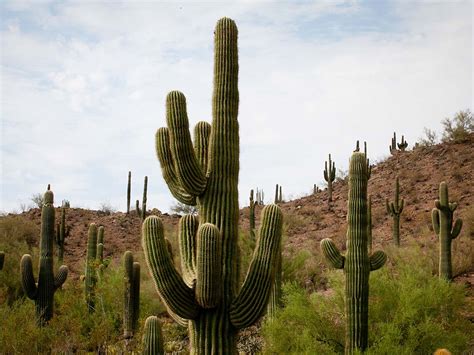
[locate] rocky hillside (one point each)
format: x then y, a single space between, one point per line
310 219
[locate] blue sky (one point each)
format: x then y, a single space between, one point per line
83 86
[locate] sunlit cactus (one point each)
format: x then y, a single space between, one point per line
152 337
356 263
42 292
446 229
206 297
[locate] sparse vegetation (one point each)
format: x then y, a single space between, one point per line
459 127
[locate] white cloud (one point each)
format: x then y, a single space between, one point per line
84 84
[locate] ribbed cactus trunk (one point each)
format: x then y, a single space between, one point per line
43 292
145 191
356 263
207 297
395 209
442 218
61 236
129 191
275 301
90 269
152 337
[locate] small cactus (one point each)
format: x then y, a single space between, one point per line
131 308
42 292
403 144
145 189
356 263
137 207
62 231
329 175
100 252
252 216
129 190
315 189
395 209
278 195
152 337
260 197
90 270
442 218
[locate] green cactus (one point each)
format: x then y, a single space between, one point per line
129 190
2 259
356 263
442 218
403 144
393 146
369 167
369 224
395 209
206 296
278 194
90 270
152 337
260 197
43 292
131 308
275 301
145 188
252 216
315 189
100 252
62 231
137 208
329 175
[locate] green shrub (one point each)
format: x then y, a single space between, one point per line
459 127
411 312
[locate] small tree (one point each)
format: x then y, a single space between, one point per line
458 129
181 208
37 200
430 138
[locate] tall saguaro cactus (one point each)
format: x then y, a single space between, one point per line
61 234
90 272
129 190
395 209
329 175
442 218
369 224
42 292
356 263
152 337
278 194
131 308
207 296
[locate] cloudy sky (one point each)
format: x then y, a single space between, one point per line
83 87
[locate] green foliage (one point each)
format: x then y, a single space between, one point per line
183 209
411 312
37 199
459 127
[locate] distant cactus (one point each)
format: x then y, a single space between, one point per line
145 189
43 291
129 190
260 197
329 175
131 309
369 167
442 217
100 252
278 194
357 263
137 207
152 337
252 216
62 231
315 189
2 259
403 144
207 297
395 209
90 270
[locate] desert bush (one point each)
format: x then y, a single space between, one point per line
411 312
106 208
37 199
429 139
182 209
459 127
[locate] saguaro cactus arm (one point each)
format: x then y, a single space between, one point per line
456 228
188 226
187 167
61 276
202 132
377 260
27 277
208 266
252 299
435 220
332 253
163 152
176 296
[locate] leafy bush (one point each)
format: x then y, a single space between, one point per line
411 312
181 208
458 128
37 200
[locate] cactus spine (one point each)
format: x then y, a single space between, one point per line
131 308
145 188
62 232
152 337
129 190
442 218
395 209
356 264
43 292
2 259
252 216
90 272
206 297
329 175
